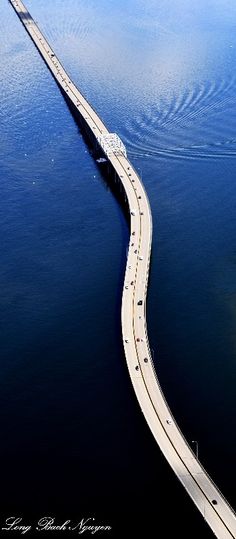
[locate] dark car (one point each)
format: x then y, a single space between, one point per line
140 302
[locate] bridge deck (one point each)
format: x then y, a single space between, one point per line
220 516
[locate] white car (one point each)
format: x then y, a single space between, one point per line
132 212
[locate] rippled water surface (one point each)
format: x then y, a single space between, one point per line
74 442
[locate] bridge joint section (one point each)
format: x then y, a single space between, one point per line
112 144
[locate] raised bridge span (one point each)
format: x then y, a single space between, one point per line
200 487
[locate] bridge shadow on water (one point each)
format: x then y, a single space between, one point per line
112 183
25 16
110 178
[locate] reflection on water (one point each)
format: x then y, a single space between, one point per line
161 74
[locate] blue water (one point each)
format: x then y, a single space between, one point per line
73 440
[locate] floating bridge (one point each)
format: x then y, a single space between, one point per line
207 497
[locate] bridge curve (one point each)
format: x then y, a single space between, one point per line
207 497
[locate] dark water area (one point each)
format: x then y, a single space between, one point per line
74 443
